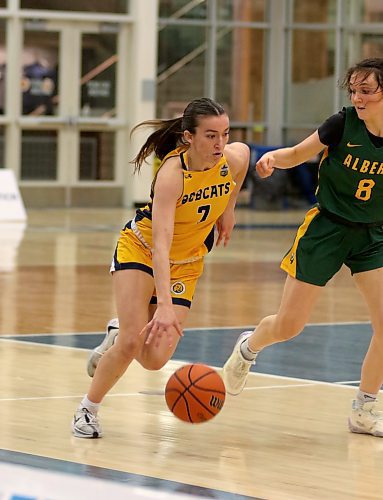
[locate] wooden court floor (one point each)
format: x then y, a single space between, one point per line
285 437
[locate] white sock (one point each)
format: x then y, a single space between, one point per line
246 352
364 397
92 407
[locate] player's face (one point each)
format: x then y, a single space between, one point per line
366 95
210 137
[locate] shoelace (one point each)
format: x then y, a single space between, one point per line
243 366
90 418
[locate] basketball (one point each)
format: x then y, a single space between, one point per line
195 393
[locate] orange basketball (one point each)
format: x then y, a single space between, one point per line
195 393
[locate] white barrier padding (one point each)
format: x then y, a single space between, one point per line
11 204
11 235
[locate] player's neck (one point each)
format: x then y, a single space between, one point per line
374 123
196 164
375 127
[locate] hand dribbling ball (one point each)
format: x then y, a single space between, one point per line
195 393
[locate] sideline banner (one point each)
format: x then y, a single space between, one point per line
11 204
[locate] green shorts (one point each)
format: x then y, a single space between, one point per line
322 245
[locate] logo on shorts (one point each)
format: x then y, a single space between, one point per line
178 288
292 258
224 170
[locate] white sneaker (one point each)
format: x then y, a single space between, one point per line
236 368
110 337
85 424
366 420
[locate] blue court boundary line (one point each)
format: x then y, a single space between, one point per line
91 471
11 336
323 352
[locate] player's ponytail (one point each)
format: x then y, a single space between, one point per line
167 136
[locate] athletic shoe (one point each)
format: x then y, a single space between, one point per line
366 420
95 355
236 368
85 424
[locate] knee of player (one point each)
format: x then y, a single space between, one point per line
127 345
153 363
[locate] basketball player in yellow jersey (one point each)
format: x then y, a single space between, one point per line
159 255
205 195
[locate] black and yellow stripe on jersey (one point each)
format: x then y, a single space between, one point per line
204 198
131 253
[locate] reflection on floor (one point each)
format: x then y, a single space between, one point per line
326 353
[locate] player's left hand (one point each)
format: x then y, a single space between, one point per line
163 323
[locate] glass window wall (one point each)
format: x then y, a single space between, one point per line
111 6
310 86
314 11
240 10
181 68
240 76
372 11
97 156
39 155
183 9
98 70
216 58
371 45
3 65
39 81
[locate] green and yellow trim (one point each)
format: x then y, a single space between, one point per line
289 262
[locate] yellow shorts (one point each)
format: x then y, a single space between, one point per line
130 253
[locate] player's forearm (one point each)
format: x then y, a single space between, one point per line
286 158
161 271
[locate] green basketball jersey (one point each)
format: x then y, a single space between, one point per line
351 175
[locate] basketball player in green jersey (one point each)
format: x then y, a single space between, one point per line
159 255
346 227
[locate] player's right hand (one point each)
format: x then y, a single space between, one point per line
265 165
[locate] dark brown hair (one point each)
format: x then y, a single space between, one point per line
367 67
168 134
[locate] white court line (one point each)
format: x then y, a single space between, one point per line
52 334
147 393
46 398
348 382
287 386
39 344
252 327
309 383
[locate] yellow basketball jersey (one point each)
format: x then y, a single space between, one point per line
205 196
